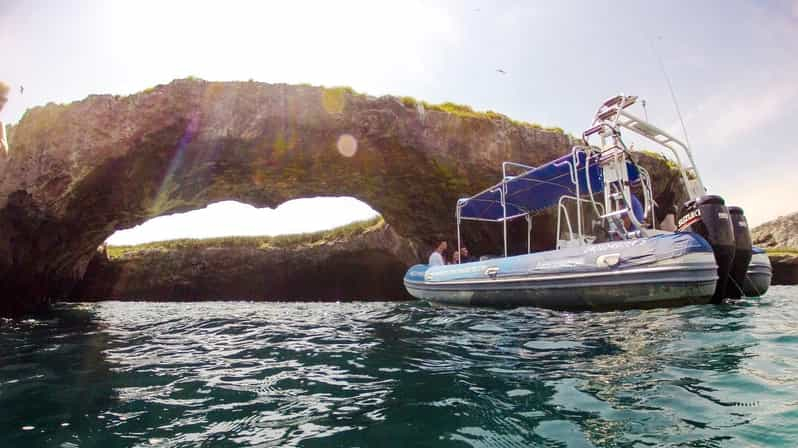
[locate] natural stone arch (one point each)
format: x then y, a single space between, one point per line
78 172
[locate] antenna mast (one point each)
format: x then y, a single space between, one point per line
670 88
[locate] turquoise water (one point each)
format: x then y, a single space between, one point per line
400 374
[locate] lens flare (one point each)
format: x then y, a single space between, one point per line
347 145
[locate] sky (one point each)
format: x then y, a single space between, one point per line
230 217
733 66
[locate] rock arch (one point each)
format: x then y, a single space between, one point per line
78 172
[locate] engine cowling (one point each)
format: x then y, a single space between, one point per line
742 252
709 217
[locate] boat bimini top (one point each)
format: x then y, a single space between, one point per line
538 188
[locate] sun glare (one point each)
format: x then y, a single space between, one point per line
337 43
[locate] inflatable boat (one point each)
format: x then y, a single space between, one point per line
661 270
608 251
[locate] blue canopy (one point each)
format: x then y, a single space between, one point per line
538 188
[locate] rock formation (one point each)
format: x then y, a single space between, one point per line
785 268
780 238
779 233
366 264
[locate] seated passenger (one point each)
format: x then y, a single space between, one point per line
465 257
455 257
669 222
436 257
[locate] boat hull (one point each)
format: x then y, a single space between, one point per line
759 275
664 270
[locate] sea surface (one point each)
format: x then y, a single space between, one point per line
225 374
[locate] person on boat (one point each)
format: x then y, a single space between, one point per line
455 257
436 257
4 89
465 256
669 223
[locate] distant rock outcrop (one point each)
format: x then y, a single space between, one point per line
785 268
780 238
779 233
364 265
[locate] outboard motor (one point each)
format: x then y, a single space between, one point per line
742 252
709 217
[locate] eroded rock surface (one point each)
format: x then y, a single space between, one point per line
780 237
779 233
785 268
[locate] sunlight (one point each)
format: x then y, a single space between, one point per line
351 43
230 218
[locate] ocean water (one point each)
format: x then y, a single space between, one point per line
400 374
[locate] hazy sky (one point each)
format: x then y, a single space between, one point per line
734 65
229 217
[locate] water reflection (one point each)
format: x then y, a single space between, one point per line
54 380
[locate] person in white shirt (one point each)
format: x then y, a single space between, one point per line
4 89
436 257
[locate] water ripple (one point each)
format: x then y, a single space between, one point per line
400 374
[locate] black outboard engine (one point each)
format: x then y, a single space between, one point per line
742 253
709 217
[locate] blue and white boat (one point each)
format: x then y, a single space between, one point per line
609 252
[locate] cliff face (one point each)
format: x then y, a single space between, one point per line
78 172
367 265
780 237
779 233
785 268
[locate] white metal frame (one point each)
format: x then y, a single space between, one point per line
613 114
562 208
501 188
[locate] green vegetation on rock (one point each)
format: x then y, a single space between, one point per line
659 156
260 242
782 251
463 110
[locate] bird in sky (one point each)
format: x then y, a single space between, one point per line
501 71
21 90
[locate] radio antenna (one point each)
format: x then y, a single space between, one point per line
670 88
